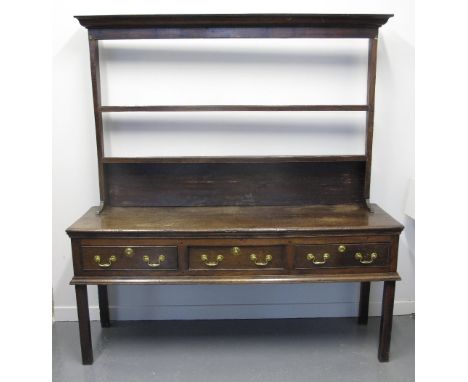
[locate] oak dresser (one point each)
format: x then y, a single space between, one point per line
234 220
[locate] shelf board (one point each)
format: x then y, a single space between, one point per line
237 159
195 108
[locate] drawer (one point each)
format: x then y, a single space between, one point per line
152 258
342 255
236 258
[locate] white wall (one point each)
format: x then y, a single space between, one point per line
301 71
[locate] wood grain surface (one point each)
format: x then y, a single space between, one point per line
273 220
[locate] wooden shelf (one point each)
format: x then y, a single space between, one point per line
198 108
237 159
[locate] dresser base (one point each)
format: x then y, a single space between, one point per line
235 246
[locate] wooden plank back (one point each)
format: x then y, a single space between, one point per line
236 184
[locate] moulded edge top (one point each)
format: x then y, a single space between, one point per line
242 221
372 21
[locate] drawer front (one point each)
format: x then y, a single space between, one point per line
342 255
149 258
236 258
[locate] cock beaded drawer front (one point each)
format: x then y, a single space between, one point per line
120 257
156 258
237 257
342 255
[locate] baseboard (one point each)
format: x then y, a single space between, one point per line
232 311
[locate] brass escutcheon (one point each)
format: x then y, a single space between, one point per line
235 251
341 248
128 252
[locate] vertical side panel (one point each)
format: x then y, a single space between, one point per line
96 83
371 76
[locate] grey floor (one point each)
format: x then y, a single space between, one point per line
330 349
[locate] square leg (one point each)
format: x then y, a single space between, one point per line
103 306
386 320
84 325
364 303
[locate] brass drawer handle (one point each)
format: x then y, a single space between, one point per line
311 257
204 258
268 258
112 259
359 256
161 259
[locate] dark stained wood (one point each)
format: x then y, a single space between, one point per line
96 83
103 306
336 259
204 108
233 221
238 159
76 254
233 26
289 260
371 77
237 280
83 324
386 321
125 262
233 266
240 261
162 216
208 184
133 240
284 251
235 20
364 303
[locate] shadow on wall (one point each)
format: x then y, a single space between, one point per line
409 235
210 124
194 302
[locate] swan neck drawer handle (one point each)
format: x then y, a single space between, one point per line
311 257
268 258
359 256
204 258
112 259
161 259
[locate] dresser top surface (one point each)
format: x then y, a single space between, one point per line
241 220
